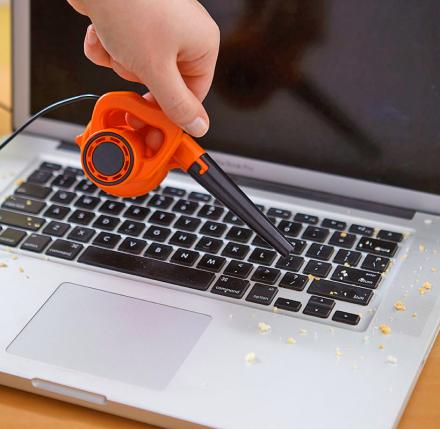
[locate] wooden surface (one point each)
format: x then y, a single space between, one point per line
20 410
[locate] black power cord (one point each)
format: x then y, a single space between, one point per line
48 109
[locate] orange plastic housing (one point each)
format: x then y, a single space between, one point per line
115 156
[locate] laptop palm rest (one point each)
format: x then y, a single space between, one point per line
110 335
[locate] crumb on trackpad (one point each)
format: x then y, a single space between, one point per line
110 335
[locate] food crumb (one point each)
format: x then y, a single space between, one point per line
434 269
263 327
291 340
403 257
14 257
343 234
381 346
414 315
399 306
338 352
19 182
427 285
421 248
3 264
303 332
391 359
20 269
385 329
422 290
250 358
275 309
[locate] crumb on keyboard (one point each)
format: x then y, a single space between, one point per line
399 306
3 264
385 329
291 340
427 285
422 248
303 332
263 327
381 346
391 359
338 352
414 315
434 269
250 358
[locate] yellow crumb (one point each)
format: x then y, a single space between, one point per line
399 306
303 332
28 202
427 285
338 352
414 315
311 277
3 264
19 182
403 257
14 257
381 346
343 234
291 340
20 269
421 248
263 327
385 329
422 290
275 309
434 269
250 358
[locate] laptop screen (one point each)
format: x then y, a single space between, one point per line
342 87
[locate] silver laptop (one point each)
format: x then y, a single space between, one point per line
166 308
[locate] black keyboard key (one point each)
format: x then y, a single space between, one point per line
218 203
211 263
342 239
81 233
334 224
133 245
375 263
157 233
185 207
136 213
11 237
290 229
36 243
131 227
87 202
57 212
293 281
108 196
317 268
162 218
40 177
185 257
64 249
266 275
262 256
63 197
112 207
33 191
20 220
344 317
213 229
147 268
183 239
52 166
260 207
315 233
187 223
390 235
377 247
349 257
258 241
298 246
306 218
317 310
262 294
109 223
320 251
160 201
356 277
238 269
174 192
290 263
235 250
284 214
81 217
64 181
25 205
86 186
287 304
340 291
232 218
137 200
57 229
159 251
200 196
74 171
208 244
361 230
237 233
325 302
230 287
210 212
107 239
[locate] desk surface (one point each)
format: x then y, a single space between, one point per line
23 410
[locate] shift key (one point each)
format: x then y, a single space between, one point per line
342 292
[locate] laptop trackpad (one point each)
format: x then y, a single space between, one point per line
110 335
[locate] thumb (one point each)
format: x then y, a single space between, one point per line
176 100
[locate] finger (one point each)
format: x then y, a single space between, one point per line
177 101
94 50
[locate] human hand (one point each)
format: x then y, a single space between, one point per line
169 46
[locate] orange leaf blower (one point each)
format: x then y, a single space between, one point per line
116 158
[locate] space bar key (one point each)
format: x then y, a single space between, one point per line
148 268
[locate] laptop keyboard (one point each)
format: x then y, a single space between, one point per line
189 239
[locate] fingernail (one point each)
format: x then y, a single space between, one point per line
197 128
91 37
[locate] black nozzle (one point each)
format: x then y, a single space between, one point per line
219 184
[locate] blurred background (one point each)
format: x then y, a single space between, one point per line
5 65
